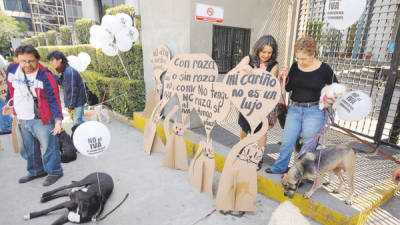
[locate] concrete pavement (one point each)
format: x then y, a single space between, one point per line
157 195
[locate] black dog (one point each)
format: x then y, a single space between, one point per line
67 148
86 203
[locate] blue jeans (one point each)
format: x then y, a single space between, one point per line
37 136
299 120
5 121
78 115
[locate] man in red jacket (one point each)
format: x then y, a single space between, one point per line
33 92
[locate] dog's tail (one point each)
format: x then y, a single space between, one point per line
363 152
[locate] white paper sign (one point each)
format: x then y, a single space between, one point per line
341 14
209 13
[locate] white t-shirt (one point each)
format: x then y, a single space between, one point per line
23 100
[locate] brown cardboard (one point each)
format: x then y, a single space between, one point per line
152 101
201 170
150 129
14 135
159 62
254 95
175 148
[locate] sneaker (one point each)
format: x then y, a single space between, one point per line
51 180
29 177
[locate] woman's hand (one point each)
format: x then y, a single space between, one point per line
396 175
248 69
284 72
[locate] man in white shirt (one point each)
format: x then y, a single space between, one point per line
36 103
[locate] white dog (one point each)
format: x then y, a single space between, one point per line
331 93
98 113
287 214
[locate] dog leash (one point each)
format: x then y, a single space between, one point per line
322 134
116 207
376 149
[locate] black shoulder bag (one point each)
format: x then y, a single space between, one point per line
35 100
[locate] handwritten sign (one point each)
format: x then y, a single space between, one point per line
160 59
255 95
91 138
186 71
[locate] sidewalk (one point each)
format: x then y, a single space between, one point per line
157 195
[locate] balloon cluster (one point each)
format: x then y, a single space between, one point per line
80 62
115 33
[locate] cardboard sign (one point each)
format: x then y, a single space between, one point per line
254 95
341 14
160 59
186 71
201 170
175 148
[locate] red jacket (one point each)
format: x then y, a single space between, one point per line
47 93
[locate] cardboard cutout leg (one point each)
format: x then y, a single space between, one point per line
15 135
152 101
237 189
149 136
201 170
158 145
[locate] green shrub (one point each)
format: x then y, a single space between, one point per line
121 95
27 41
51 37
35 40
127 9
109 66
82 30
65 33
42 39
138 22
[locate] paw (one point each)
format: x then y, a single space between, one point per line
348 202
307 194
27 217
46 194
44 199
326 183
335 191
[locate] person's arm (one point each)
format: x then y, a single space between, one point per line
288 79
244 65
396 175
53 100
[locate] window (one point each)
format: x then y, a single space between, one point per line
230 45
17 5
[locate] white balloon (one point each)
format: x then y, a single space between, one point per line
74 62
133 34
110 49
85 58
101 34
95 43
91 138
94 29
343 14
123 42
125 21
354 106
112 23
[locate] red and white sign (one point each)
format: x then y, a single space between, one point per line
209 13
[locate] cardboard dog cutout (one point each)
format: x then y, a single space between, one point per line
255 96
175 149
159 61
212 106
152 142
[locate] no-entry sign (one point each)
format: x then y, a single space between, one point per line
209 13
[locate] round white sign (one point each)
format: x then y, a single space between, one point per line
91 138
354 106
341 14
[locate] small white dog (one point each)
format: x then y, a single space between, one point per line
287 214
98 113
331 93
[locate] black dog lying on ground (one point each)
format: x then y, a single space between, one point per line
67 148
87 202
